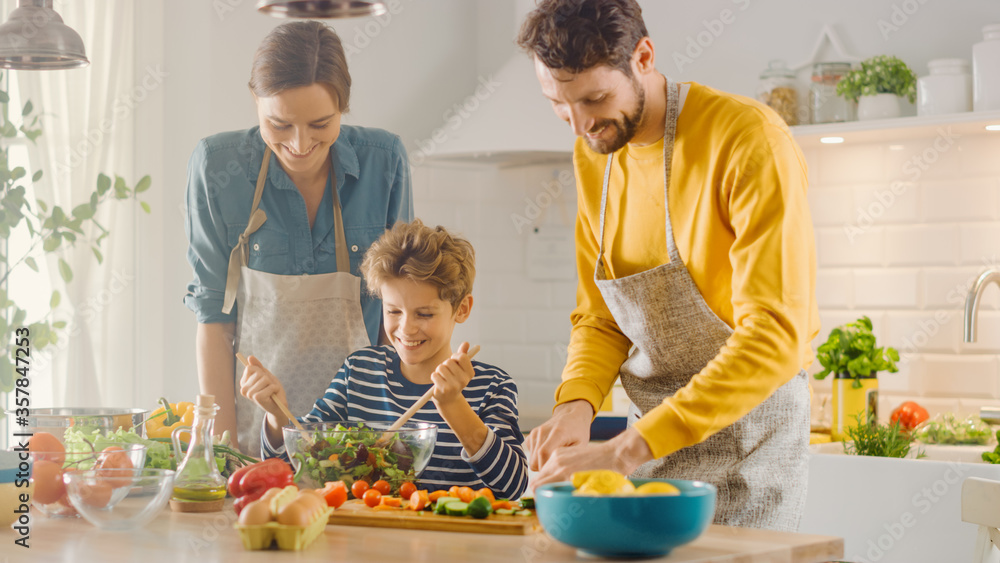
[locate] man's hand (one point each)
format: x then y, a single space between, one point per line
623 454
569 426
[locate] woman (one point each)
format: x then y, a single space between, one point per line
279 218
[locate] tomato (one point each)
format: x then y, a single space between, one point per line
466 494
382 486
335 493
486 492
358 488
97 494
372 497
909 415
47 478
453 491
45 442
407 489
114 457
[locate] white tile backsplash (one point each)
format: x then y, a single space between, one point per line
921 245
850 245
960 200
890 288
885 203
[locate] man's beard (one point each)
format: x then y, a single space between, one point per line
625 128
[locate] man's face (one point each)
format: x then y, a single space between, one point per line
601 104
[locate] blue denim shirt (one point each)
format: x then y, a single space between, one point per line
373 182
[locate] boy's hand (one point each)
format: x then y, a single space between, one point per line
451 376
260 385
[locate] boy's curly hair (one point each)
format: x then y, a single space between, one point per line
417 252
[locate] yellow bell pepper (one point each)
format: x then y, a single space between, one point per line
171 415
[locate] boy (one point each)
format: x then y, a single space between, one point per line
424 277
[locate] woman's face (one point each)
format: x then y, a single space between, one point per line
300 125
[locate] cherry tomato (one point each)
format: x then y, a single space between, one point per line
382 486
372 497
335 493
466 494
358 488
407 489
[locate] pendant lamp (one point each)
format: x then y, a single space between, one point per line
34 37
321 8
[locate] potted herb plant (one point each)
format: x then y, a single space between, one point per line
851 355
878 87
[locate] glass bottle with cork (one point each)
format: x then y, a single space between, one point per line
198 478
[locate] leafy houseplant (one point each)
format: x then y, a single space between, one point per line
884 74
53 229
850 351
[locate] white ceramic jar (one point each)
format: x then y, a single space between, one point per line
948 88
986 70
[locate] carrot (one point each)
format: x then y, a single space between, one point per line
466 494
418 500
394 502
436 495
486 492
505 504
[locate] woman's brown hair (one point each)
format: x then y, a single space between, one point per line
417 252
298 54
576 35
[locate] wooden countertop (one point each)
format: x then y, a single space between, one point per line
209 538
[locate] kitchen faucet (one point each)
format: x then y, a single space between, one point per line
990 415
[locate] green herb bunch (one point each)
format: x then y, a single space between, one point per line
873 439
850 349
884 74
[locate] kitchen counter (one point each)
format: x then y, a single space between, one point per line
207 538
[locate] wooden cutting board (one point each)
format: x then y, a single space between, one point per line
355 513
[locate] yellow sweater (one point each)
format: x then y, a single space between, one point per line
742 225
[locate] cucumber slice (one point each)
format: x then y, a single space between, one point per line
506 511
439 505
524 513
527 502
456 508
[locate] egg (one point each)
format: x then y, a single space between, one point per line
299 512
256 513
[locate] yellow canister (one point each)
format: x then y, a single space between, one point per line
850 401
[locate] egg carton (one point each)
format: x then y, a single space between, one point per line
289 538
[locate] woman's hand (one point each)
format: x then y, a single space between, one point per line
623 453
569 426
262 387
451 376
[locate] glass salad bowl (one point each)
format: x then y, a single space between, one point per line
119 499
349 451
49 468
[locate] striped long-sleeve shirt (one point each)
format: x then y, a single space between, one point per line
370 386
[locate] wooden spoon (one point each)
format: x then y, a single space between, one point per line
284 409
387 435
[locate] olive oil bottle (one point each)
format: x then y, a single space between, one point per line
198 477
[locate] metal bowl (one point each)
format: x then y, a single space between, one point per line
56 420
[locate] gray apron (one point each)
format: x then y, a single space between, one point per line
302 328
759 463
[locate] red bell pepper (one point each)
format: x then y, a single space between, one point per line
909 415
250 483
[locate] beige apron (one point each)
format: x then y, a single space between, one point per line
300 327
758 463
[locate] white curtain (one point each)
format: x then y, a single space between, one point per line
88 129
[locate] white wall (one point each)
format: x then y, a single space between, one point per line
414 67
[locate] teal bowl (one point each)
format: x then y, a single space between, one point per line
626 526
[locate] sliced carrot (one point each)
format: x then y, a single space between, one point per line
486 492
385 507
333 457
505 504
453 491
394 502
436 495
418 500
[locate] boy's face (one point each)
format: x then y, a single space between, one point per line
419 323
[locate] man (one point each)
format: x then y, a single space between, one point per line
695 247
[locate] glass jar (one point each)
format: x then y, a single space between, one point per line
777 90
948 88
986 70
824 104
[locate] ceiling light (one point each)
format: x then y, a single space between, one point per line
321 8
34 37
831 140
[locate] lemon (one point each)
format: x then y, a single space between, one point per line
657 489
602 482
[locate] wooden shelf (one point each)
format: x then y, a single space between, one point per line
886 130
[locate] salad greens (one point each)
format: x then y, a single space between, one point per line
350 453
994 456
947 429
